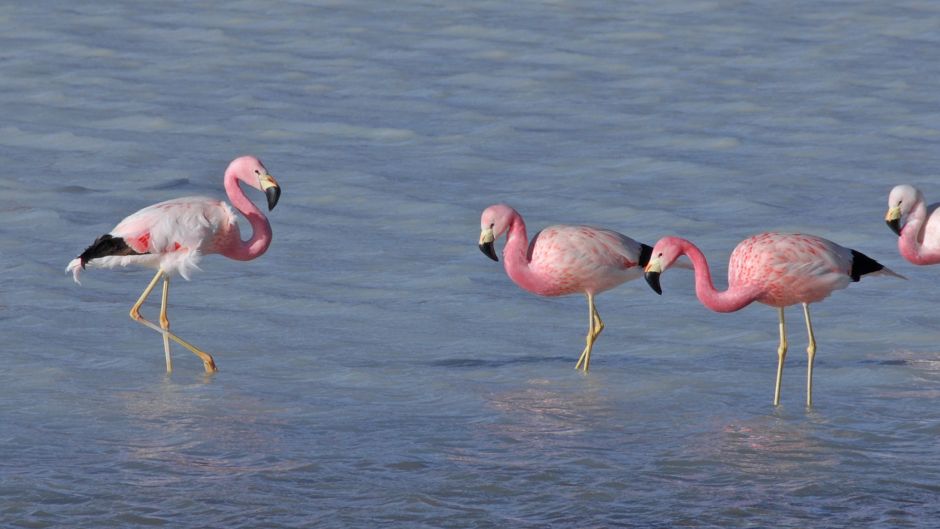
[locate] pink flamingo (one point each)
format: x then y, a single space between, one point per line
563 260
919 238
173 236
775 269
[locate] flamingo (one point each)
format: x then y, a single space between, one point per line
775 269
919 238
563 260
172 237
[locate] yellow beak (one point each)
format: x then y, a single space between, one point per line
271 190
486 243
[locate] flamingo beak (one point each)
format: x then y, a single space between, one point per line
653 270
486 244
271 190
893 219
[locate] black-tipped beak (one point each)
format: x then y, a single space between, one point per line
489 250
273 194
652 279
895 225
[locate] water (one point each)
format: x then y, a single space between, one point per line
376 369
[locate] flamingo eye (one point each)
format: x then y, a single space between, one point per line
660 254
257 172
492 224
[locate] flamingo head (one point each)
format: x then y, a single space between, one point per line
250 170
664 255
494 222
900 202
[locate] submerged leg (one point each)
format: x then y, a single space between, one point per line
207 360
593 330
810 356
781 355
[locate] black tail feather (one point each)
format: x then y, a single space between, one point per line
645 253
862 264
104 246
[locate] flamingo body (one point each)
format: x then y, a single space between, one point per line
172 237
776 269
789 268
919 235
577 259
563 259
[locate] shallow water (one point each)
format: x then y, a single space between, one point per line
376 369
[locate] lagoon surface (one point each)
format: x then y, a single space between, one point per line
376 370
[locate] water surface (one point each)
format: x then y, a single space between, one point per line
376 369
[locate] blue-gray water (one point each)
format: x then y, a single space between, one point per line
376 369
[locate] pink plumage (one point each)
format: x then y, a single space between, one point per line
172 237
916 224
562 260
775 269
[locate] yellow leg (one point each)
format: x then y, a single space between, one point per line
207 360
135 310
595 326
781 355
598 324
165 324
811 356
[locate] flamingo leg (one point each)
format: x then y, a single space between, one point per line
595 326
781 355
598 324
207 360
165 324
135 310
811 356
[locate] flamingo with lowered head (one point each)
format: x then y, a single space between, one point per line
173 236
919 236
563 260
775 269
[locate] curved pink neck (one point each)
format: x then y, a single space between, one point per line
730 300
260 227
514 255
910 243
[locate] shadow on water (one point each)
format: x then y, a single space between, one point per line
477 362
176 183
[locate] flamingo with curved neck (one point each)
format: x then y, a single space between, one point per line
562 260
919 236
775 269
172 237
261 234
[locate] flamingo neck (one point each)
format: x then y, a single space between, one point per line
730 300
911 241
260 227
515 259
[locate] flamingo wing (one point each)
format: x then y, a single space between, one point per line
790 268
182 224
584 258
170 235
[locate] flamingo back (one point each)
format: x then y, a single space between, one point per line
571 259
790 268
175 234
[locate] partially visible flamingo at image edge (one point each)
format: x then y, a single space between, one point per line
172 237
919 235
775 269
563 260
